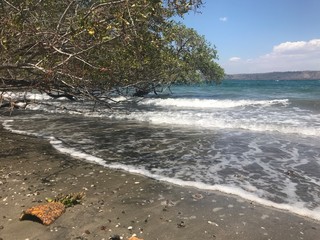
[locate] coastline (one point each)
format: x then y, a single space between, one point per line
31 170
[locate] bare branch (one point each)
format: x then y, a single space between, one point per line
70 56
11 5
132 22
63 15
94 7
75 55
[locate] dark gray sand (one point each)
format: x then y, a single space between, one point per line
121 203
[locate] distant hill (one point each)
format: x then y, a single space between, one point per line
298 75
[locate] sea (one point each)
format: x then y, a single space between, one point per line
258 140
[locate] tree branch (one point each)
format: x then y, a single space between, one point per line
11 5
63 15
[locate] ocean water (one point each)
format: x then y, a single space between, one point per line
259 140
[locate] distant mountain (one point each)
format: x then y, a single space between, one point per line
298 75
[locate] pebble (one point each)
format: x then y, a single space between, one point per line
115 237
213 223
181 224
103 228
197 196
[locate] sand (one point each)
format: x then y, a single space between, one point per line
119 203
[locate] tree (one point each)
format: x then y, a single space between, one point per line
193 55
87 48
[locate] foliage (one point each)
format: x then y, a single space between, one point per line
84 49
193 56
68 200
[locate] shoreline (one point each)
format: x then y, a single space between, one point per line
116 201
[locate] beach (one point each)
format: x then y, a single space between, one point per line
123 204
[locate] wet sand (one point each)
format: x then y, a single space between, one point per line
119 203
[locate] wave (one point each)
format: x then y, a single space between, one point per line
251 115
210 103
215 121
8 127
190 103
296 207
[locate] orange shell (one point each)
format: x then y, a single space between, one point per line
135 238
45 214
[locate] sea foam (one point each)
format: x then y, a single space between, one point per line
296 208
219 121
210 103
251 115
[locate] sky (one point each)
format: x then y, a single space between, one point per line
255 36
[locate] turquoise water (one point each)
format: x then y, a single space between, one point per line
233 89
256 139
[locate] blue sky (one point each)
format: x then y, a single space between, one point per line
254 36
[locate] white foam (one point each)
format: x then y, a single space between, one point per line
6 125
216 121
252 194
210 103
202 113
57 144
297 208
28 96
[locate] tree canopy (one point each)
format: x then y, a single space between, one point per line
87 48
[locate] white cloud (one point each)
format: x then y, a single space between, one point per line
297 47
223 19
287 56
234 59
